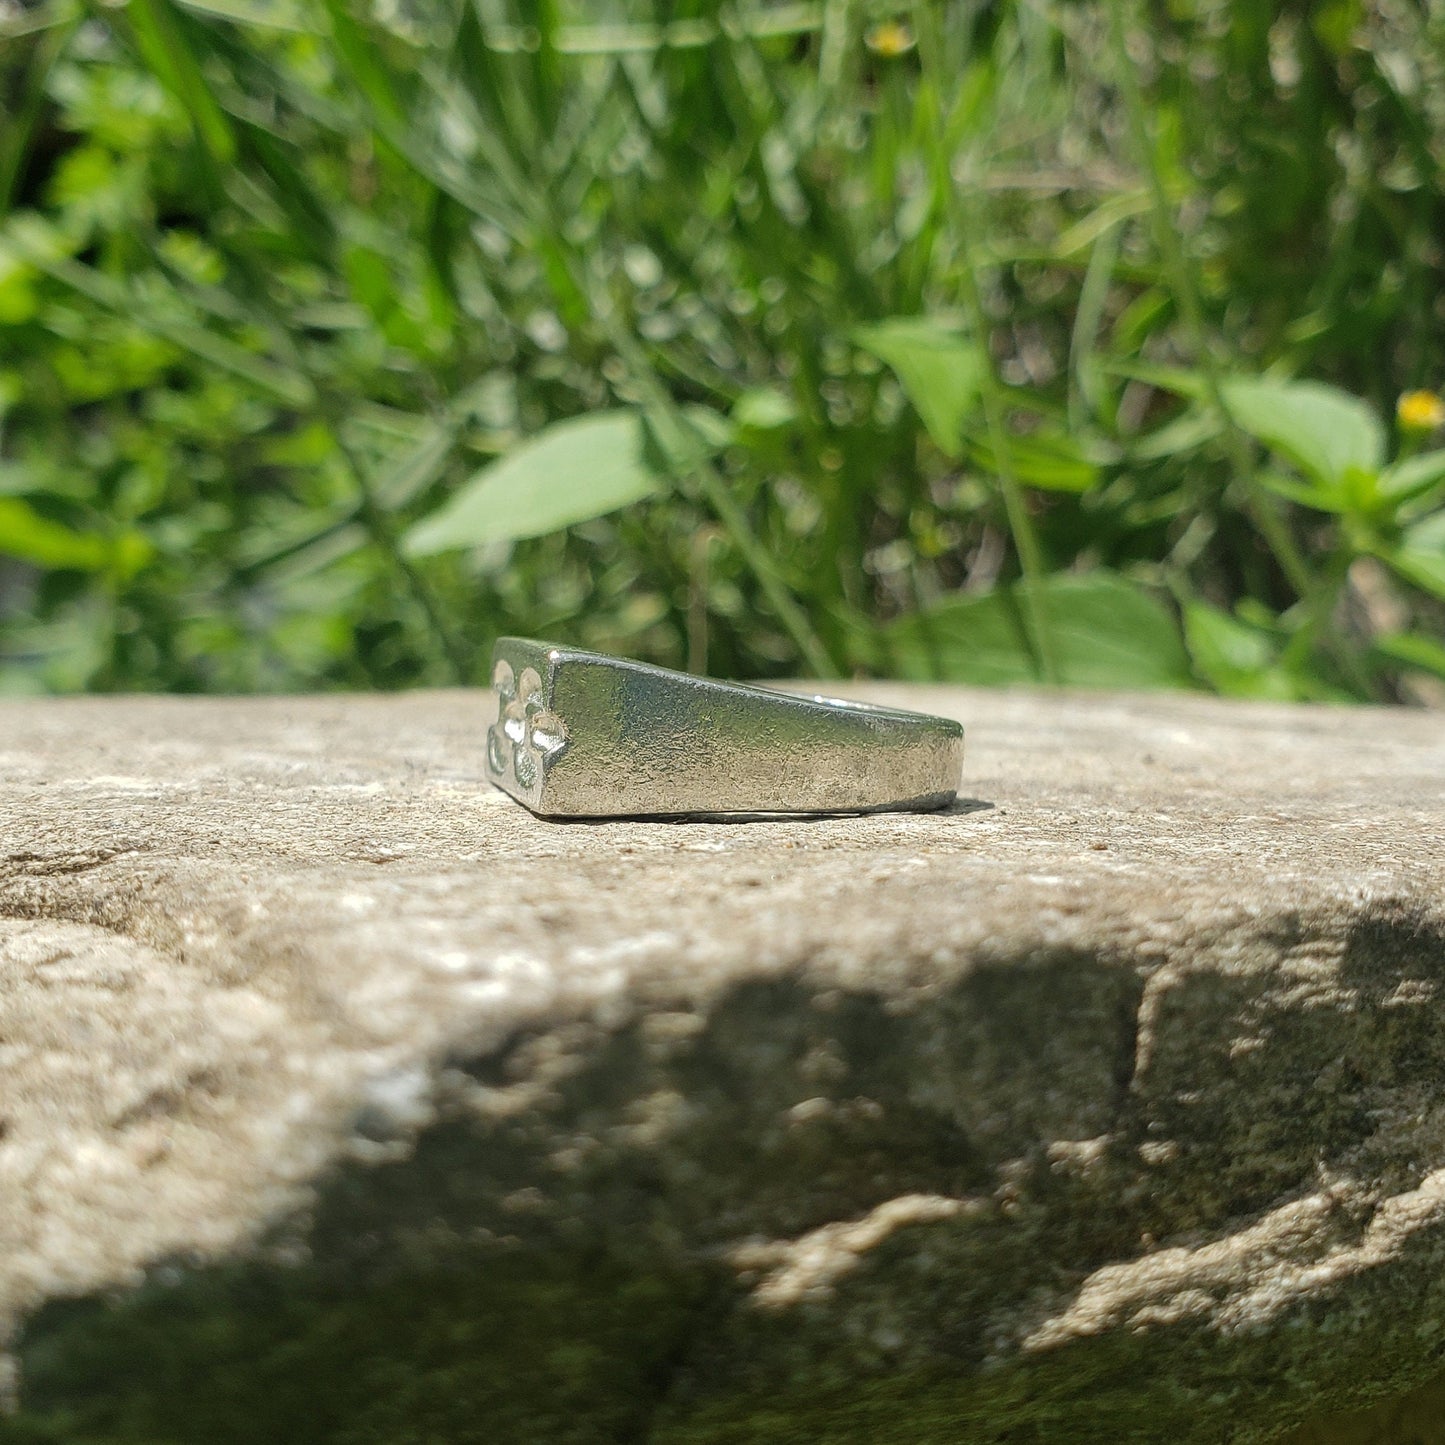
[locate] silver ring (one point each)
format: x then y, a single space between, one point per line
582 735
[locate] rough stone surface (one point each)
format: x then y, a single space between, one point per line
343 1100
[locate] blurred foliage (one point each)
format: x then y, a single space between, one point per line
988 341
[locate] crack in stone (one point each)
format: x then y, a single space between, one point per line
32 864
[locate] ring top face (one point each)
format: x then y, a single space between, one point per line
580 734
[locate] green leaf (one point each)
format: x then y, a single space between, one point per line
1325 432
1237 657
1307 493
370 279
1420 555
25 534
711 430
1106 631
313 227
1185 433
1414 477
764 409
940 371
1224 646
575 470
1050 461
1178 379
1322 430
1413 651
18 302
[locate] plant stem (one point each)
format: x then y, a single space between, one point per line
1319 607
1020 523
697 626
1186 291
447 645
716 494
15 140
1261 509
379 524
535 203
711 485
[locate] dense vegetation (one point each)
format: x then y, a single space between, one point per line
1028 339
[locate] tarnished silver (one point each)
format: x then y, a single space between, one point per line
582 735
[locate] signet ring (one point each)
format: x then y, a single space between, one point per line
583 735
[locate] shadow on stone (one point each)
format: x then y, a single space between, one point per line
640 1232
958 807
471 1344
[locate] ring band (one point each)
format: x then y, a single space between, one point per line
583 735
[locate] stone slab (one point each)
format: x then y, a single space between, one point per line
343 1099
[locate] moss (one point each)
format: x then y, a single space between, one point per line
1107 1391
485 1347
513 1346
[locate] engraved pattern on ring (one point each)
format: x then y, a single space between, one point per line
527 736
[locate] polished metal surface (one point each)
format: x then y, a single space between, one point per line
579 734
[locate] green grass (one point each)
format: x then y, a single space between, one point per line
929 330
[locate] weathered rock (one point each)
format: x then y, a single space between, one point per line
343 1100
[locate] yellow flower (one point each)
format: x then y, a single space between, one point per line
889 39
1420 411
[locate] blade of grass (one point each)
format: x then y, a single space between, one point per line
14 26
258 13
357 48
567 272
334 410
644 38
1093 297
683 441
1319 599
381 93
16 135
947 197
160 36
278 382
386 534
